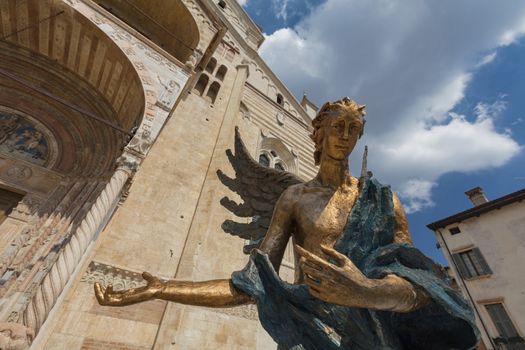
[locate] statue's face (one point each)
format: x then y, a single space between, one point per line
341 133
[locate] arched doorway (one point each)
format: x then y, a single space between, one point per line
70 101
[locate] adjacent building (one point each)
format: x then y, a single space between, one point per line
485 247
114 119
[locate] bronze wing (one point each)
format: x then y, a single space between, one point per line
259 187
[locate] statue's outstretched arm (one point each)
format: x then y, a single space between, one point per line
214 293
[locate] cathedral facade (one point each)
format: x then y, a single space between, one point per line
115 116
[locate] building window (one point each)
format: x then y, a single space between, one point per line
213 91
271 160
264 160
508 335
201 84
280 99
471 263
279 166
222 4
221 72
454 230
210 67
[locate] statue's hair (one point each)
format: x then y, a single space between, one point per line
346 105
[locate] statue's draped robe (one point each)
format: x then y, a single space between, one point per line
297 320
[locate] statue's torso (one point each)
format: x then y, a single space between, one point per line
320 215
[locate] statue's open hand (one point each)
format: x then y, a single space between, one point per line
109 297
341 283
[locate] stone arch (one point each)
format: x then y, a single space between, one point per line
201 85
155 20
213 91
221 72
210 67
92 94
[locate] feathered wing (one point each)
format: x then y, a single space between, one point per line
259 188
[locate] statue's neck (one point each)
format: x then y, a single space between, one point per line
334 173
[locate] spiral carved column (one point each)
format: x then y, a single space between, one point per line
59 265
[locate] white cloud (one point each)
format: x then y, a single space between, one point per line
410 61
242 2
486 59
281 8
417 194
489 111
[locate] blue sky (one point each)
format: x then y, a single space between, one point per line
443 82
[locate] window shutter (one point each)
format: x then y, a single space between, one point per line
482 262
461 266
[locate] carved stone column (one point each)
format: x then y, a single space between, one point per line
34 305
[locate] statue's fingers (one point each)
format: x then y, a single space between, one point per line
315 292
331 252
304 262
316 274
109 290
99 292
311 257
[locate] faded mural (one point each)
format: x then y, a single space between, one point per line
20 138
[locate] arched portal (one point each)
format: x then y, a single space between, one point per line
70 100
167 23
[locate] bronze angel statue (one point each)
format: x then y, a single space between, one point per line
359 282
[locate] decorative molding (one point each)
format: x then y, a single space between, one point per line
15 336
280 118
58 266
17 173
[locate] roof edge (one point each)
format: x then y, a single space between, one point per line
497 203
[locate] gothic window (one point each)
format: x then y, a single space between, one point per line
221 72
471 263
280 99
277 155
210 67
222 4
270 159
264 160
279 166
213 91
201 84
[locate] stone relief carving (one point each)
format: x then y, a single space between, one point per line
27 207
119 34
128 163
198 14
15 336
107 274
18 173
195 57
168 97
141 142
280 118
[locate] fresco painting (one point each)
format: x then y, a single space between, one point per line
20 138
